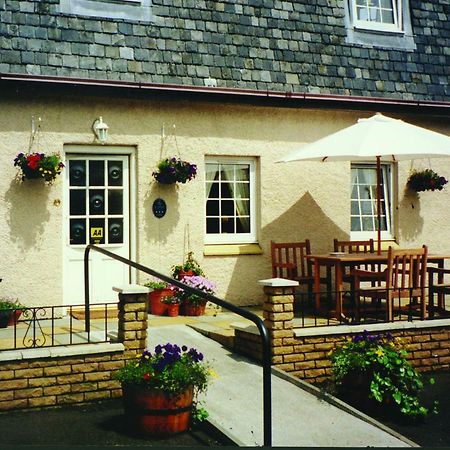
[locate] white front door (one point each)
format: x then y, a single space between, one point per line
97 212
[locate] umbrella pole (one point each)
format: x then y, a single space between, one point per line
379 204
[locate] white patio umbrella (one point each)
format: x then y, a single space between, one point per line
380 137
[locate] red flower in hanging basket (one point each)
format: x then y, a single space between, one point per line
39 165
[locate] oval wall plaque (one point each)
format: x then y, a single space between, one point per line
159 208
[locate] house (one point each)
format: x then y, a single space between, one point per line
230 86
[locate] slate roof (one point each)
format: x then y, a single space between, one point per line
275 45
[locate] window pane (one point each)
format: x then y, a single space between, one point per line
227 207
356 224
115 173
225 190
212 225
212 172
387 16
366 208
77 231
227 224
115 201
367 224
96 173
77 173
355 208
243 225
97 202
213 190
77 202
242 190
212 208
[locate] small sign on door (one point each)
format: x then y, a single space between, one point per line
96 234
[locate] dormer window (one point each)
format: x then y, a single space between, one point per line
379 15
139 10
379 23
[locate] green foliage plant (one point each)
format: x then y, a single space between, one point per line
392 380
7 303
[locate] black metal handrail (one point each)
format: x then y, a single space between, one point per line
267 356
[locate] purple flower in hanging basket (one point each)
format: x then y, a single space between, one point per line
174 170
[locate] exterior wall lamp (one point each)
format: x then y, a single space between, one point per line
100 130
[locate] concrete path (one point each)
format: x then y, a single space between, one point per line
300 418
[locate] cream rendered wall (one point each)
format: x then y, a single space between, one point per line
296 200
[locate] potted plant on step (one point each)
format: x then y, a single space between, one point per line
189 267
160 389
371 371
160 291
193 304
10 311
172 305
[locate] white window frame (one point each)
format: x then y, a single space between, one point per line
388 174
139 10
235 238
397 26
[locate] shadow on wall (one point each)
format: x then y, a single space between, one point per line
304 220
158 230
27 212
410 220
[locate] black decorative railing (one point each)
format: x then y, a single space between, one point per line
267 357
50 326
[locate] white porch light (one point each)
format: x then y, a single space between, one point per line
100 130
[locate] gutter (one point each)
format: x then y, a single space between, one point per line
236 92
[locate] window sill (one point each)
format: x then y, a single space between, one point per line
232 249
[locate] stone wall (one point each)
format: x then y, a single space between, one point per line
304 352
75 374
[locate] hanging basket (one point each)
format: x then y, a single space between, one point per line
426 180
174 170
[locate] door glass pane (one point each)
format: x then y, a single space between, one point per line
77 173
96 173
115 173
115 231
115 201
97 202
77 231
97 231
77 202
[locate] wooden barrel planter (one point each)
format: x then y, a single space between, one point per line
153 412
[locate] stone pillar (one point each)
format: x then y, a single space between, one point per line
132 332
278 313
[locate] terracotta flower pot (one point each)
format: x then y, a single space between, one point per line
173 309
15 315
157 307
194 310
155 413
